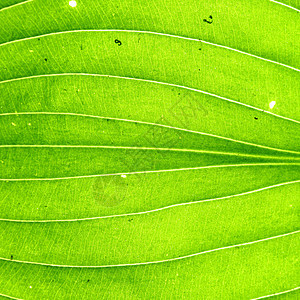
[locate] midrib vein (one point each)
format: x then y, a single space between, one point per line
150 171
158 261
155 149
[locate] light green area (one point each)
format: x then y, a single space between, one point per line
160 152
111 195
259 27
169 233
235 273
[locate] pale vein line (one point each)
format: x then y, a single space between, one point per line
291 7
154 210
154 33
276 294
150 81
158 261
150 171
14 5
10 297
153 149
151 124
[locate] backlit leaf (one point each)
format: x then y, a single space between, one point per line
149 149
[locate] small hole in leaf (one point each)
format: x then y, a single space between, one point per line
272 104
72 3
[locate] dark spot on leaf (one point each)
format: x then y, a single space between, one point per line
208 21
39 39
178 93
88 280
46 59
130 220
199 48
81 47
255 118
11 257
118 42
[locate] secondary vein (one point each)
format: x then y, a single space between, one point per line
158 261
154 33
154 210
150 81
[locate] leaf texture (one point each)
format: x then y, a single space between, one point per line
149 150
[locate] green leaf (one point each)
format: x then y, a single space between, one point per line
149 150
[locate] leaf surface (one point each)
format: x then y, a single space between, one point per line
149 150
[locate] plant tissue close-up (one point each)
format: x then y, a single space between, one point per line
149 149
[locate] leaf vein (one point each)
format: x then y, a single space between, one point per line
154 149
279 293
154 33
154 210
150 171
158 261
291 7
150 81
14 5
152 124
